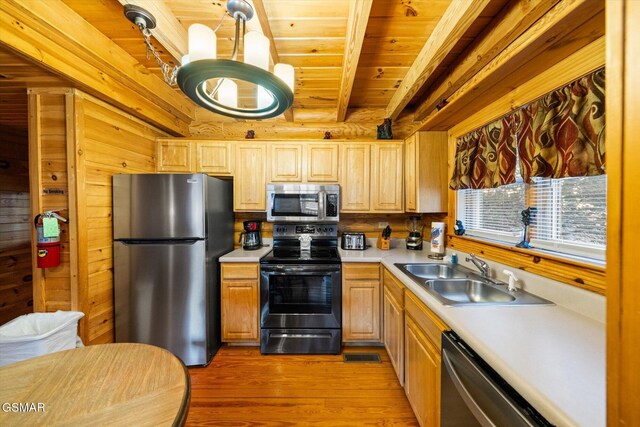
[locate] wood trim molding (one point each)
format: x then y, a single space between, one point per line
53 36
585 276
356 27
623 202
503 30
35 189
454 23
545 41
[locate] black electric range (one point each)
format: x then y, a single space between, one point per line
301 291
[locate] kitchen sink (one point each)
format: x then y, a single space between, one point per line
432 271
456 285
469 291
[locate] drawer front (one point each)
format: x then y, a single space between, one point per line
426 319
240 270
394 286
361 271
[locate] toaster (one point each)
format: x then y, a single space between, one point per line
356 241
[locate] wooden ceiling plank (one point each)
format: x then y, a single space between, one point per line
261 13
356 28
505 28
169 32
454 23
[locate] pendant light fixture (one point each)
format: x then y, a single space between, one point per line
211 82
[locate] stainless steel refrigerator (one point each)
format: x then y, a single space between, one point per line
169 231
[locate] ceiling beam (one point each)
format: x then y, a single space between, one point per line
566 28
502 31
356 28
169 32
52 35
261 13
454 23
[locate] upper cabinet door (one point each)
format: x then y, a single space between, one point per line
286 162
386 177
410 178
175 156
426 172
250 183
322 162
214 157
355 163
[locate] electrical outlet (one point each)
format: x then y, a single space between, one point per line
382 224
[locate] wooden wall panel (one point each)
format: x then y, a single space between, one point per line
49 191
16 293
107 142
15 216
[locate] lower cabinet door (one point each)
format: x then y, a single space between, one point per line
361 311
394 333
240 306
422 375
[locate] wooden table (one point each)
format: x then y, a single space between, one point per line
110 384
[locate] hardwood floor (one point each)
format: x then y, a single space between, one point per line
241 387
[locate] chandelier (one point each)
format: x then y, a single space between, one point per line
211 82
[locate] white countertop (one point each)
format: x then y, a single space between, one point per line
243 255
553 356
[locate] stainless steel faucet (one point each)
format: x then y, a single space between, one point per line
480 264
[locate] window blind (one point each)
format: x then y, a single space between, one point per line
494 212
571 215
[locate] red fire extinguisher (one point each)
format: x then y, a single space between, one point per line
48 248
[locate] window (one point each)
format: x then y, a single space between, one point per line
569 214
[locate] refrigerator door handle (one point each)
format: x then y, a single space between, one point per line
160 242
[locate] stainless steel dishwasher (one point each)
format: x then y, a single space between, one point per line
473 394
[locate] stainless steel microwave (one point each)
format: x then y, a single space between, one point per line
303 203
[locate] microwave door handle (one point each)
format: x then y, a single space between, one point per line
322 196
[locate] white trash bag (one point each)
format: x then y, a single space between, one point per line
36 334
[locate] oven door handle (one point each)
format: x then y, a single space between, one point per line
303 270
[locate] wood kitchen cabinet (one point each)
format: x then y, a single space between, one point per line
175 156
422 346
214 157
286 162
387 181
355 167
240 302
321 162
361 307
371 177
250 183
426 172
393 321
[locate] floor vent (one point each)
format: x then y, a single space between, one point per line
361 357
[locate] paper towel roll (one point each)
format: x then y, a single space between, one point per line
437 238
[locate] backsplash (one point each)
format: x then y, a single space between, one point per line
364 223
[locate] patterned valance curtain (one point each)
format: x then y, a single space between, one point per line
557 136
485 158
562 134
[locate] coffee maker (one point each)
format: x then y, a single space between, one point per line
414 225
251 237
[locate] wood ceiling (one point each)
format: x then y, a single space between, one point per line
312 35
356 61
